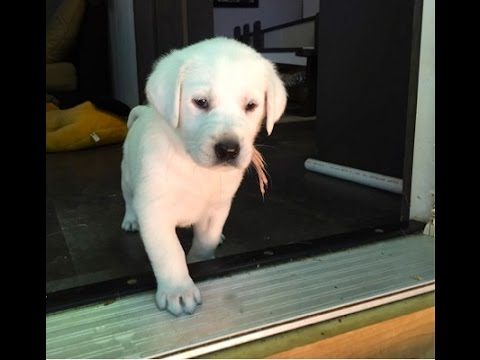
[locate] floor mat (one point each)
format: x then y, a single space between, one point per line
86 245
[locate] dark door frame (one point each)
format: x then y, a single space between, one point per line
163 25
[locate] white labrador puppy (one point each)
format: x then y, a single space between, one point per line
187 150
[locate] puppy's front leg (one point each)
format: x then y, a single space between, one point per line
208 234
176 291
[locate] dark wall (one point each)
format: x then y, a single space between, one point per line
92 53
363 78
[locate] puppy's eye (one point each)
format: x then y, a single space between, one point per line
250 106
201 103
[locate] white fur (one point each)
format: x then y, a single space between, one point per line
170 174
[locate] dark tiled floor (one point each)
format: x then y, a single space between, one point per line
85 243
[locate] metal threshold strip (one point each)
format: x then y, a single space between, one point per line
329 314
249 305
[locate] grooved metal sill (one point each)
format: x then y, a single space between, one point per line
248 305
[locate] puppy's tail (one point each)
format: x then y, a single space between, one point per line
136 112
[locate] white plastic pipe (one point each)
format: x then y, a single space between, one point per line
363 177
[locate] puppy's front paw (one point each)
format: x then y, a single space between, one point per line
178 298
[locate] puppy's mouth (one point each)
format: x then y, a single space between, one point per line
223 154
227 164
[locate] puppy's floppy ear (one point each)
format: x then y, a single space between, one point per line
163 88
276 97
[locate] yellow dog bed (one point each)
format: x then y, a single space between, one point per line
82 126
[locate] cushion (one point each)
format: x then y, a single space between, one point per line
52 99
51 106
63 29
82 126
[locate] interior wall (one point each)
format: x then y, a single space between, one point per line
310 7
123 52
269 12
423 175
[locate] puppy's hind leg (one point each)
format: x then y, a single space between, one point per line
208 235
130 221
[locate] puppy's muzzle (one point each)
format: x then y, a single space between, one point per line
227 151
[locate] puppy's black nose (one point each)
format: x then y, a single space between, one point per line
227 150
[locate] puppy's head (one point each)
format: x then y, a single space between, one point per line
216 93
